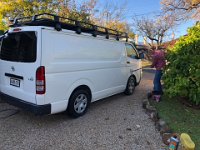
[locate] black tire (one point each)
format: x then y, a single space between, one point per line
78 103
130 87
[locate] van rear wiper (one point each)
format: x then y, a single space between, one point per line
5 32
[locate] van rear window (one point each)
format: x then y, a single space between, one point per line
19 47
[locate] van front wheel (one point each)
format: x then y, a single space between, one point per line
130 87
78 103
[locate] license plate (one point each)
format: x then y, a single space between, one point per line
14 82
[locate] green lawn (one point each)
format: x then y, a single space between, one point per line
181 119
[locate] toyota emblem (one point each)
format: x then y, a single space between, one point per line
13 68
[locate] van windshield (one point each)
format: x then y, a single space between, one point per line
19 47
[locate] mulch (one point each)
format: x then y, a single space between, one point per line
185 101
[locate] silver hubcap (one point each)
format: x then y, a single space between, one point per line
131 85
80 103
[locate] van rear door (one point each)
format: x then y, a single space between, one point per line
18 63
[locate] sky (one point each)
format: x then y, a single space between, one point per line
149 8
146 8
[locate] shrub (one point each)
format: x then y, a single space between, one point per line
182 74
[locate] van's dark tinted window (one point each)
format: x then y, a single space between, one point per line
19 47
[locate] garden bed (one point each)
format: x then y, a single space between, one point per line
180 118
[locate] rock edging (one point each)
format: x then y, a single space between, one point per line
160 124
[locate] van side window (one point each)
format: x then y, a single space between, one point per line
131 52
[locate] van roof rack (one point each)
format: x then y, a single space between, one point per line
60 23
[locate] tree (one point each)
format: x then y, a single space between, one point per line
74 11
154 29
19 8
12 9
2 24
185 9
182 74
23 8
112 16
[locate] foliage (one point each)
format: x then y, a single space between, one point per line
184 9
182 74
120 26
2 23
111 15
86 11
9 9
23 8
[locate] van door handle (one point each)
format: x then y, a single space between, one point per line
128 62
13 76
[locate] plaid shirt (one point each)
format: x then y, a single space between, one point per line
159 60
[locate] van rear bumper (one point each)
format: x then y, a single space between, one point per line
36 109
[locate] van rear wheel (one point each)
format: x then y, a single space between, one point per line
78 103
130 87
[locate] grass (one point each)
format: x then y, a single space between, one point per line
181 119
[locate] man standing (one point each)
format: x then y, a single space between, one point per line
159 63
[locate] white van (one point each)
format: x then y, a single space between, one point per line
47 69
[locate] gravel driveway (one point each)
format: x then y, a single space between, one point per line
115 123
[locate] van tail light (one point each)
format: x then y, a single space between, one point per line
40 80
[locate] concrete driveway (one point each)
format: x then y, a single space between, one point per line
115 123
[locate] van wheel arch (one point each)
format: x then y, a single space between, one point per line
82 87
131 84
83 91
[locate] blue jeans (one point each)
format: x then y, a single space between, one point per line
157 89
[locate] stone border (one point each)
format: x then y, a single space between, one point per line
160 124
